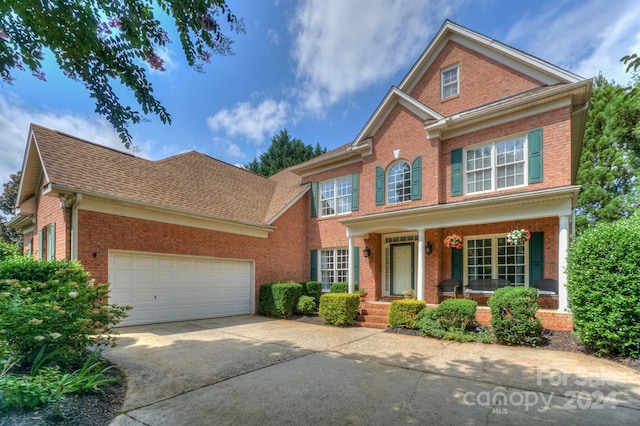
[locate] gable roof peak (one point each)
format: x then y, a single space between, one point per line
530 65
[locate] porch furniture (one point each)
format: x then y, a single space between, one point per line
547 287
447 288
484 287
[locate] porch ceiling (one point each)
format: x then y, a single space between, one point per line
522 206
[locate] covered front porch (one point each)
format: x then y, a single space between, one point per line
404 248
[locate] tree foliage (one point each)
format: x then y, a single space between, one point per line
609 158
102 44
7 203
282 153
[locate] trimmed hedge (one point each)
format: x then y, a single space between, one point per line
339 308
279 300
341 287
453 319
404 313
603 272
25 268
513 316
306 305
313 289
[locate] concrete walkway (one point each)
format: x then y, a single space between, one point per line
257 371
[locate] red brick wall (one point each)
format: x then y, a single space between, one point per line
49 211
480 80
556 130
279 257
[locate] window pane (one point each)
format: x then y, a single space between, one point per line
399 183
479 253
335 197
514 259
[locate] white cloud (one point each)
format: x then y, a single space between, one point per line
586 38
235 152
273 36
15 119
252 122
341 47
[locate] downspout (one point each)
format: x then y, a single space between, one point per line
74 226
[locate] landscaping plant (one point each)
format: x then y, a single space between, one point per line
604 287
513 316
306 305
404 313
339 308
453 319
279 300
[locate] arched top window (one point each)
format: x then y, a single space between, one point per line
399 183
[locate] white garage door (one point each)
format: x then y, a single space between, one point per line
163 288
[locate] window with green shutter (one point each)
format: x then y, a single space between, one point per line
534 140
314 199
379 186
355 191
416 178
536 257
313 276
456 172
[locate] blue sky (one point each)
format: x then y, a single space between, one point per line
318 68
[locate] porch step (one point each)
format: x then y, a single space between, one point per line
373 315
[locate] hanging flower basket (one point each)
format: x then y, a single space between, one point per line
409 294
453 241
518 237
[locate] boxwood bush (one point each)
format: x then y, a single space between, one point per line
279 300
341 287
339 308
453 319
513 316
313 289
306 305
603 285
404 313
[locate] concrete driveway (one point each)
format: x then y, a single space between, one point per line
256 371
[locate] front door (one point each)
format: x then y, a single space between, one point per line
402 262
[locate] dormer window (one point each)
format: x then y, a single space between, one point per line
449 79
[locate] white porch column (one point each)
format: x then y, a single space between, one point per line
351 268
563 246
420 283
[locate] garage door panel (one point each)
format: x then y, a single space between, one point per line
165 288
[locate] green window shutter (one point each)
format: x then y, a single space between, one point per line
51 254
313 276
355 191
40 243
379 186
536 257
314 199
534 141
356 265
416 178
456 172
456 266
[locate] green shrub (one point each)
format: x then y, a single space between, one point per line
8 250
279 300
313 289
453 319
306 305
62 309
341 287
339 308
604 287
404 313
513 316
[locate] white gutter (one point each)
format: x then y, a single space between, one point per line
74 226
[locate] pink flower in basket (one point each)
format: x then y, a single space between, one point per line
518 236
453 241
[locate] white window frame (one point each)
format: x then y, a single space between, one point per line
494 257
445 85
336 271
494 175
335 198
406 194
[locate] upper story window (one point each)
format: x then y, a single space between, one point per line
449 79
496 166
399 183
335 196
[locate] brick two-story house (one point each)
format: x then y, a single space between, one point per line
477 140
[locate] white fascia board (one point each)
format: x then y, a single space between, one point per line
289 204
523 206
110 205
394 96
